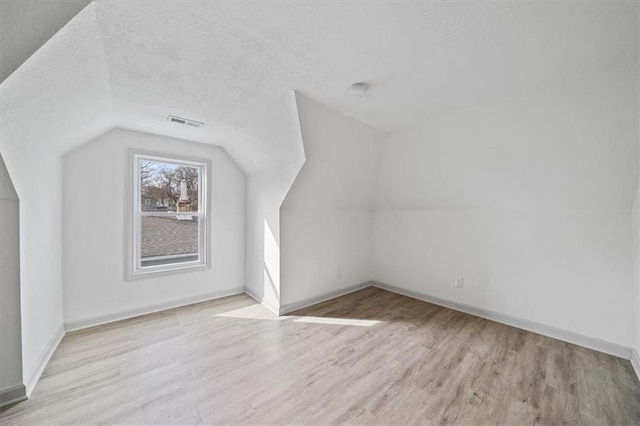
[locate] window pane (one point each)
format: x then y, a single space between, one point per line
169 239
166 186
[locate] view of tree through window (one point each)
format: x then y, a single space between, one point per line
160 185
169 211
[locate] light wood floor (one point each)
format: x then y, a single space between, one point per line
368 357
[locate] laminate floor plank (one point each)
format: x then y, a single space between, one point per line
369 357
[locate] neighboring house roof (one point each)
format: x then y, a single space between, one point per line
162 236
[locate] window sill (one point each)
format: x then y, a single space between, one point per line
140 275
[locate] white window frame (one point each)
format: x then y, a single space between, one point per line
133 261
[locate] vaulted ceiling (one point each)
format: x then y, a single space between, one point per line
234 65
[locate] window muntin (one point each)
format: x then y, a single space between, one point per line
168 214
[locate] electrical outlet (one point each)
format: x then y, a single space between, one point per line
458 282
338 274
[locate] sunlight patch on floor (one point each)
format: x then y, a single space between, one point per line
252 312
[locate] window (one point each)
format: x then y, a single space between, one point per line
168 213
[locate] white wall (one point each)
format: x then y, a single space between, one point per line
263 240
94 236
636 266
568 269
32 153
277 154
37 174
568 144
636 221
10 326
529 199
324 251
326 217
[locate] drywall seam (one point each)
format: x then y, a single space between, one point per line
132 313
290 307
261 300
534 327
34 374
12 394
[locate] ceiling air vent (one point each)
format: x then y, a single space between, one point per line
185 121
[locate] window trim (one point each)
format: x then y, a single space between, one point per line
133 213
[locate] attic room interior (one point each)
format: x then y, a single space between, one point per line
319 212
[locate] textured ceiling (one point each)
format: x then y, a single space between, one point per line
234 65
25 25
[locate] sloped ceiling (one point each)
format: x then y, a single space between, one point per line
572 143
233 65
60 97
342 160
25 25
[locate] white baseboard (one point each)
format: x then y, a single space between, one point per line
12 394
132 313
36 371
290 307
635 362
261 300
545 330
